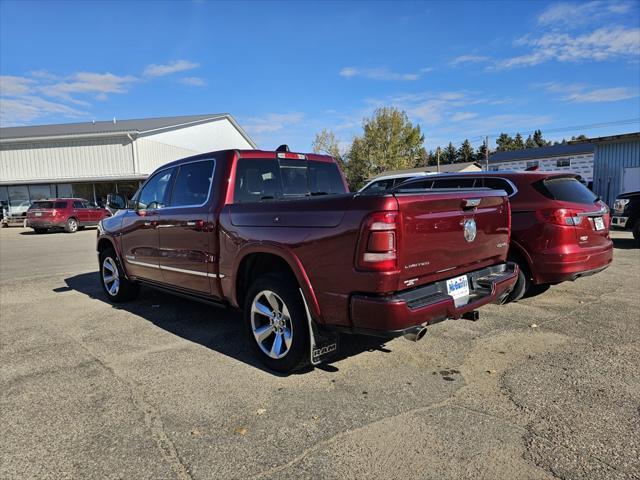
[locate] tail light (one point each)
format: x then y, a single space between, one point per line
560 216
378 245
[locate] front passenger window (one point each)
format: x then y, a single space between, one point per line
153 194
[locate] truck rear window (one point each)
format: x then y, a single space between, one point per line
270 179
47 205
565 189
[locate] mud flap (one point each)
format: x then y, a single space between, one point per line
323 345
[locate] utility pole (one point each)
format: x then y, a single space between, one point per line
486 153
438 159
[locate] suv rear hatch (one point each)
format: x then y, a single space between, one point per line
438 234
45 209
577 208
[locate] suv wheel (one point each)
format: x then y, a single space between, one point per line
71 226
522 284
112 279
276 323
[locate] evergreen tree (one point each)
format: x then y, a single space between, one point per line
504 142
480 156
538 140
518 144
466 153
530 143
450 154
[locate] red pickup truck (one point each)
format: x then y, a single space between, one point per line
278 235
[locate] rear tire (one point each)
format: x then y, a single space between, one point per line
276 323
71 226
114 283
522 284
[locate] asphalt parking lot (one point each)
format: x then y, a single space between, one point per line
163 388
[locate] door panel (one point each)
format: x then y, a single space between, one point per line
81 212
140 244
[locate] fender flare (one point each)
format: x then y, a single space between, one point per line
294 264
116 248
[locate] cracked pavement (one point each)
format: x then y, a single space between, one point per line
164 388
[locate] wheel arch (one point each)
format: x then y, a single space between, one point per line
518 251
255 261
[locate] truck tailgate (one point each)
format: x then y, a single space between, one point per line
446 233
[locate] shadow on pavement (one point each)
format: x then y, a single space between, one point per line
216 328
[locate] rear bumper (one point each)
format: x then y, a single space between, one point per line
43 223
555 267
397 314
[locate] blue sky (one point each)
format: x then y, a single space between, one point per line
286 70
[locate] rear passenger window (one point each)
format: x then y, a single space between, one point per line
78 204
61 205
566 189
498 184
192 184
257 180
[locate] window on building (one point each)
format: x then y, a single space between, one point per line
64 190
192 184
39 192
18 199
563 162
83 190
128 189
533 163
103 189
153 194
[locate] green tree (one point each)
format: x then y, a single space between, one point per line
449 154
529 143
579 137
480 156
389 142
327 142
538 140
518 143
466 153
504 142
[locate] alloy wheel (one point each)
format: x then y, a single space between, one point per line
271 324
110 276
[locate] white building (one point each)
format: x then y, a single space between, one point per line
575 158
90 160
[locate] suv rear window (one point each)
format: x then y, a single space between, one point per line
565 189
46 205
267 179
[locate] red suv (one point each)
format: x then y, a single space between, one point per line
559 228
70 214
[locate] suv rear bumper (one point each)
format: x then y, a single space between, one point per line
554 268
41 223
398 314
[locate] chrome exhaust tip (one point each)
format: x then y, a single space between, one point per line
416 334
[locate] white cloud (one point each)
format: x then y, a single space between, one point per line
462 59
378 74
11 85
176 66
193 81
580 93
272 122
462 116
601 44
574 14
88 83
24 109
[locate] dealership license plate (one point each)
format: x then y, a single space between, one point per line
458 287
38 214
598 223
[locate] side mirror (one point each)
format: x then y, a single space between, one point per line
116 201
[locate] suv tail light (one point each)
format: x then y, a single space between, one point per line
378 245
560 216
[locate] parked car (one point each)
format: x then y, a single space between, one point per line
559 228
15 214
70 214
626 213
279 235
386 182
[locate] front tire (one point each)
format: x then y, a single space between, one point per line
114 283
276 323
71 226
